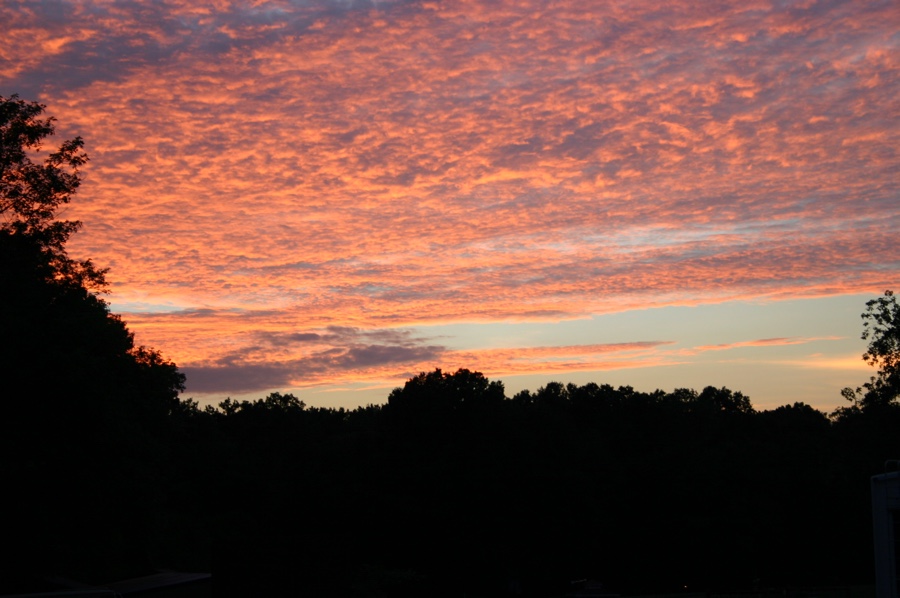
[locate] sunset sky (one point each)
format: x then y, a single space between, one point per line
329 197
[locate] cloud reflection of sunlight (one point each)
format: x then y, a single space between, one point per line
277 168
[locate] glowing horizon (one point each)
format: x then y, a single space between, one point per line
298 195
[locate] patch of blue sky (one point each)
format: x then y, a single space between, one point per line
775 385
301 265
825 355
372 289
652 237
730 321
145 307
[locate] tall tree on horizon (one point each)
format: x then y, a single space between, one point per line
85 409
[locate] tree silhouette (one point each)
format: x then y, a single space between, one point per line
32 192
439 394
881 327
449 489
86 412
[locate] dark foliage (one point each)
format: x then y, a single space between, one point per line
645 491
449 489
86 414
881 327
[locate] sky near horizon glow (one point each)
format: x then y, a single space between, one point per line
327 197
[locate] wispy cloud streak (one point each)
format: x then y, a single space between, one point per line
320 357
763 342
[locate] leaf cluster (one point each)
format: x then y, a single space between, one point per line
32 189
881 327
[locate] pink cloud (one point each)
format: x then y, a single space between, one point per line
764 342
281 167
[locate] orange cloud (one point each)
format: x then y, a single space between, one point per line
764 342
272 167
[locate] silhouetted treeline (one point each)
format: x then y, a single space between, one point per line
451 488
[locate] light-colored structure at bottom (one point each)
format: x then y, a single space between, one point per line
886 528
